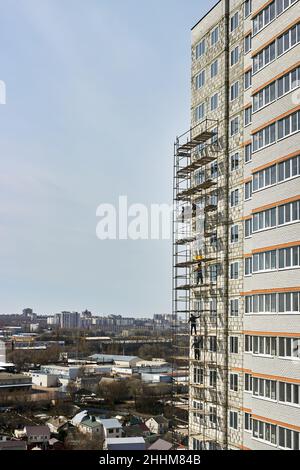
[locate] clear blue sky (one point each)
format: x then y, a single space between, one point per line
96 92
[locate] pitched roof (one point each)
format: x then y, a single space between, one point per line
90 422
160 444
37 430
13 445
160 419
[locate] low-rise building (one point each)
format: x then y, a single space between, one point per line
111 428
117 360
14 382
34 435
43 379
90 426
57 424
158 424
13 445
125 443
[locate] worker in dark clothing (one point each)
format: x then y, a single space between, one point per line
194 210
192 321
197 345
182 215
199 272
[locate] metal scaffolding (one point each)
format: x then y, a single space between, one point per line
200 336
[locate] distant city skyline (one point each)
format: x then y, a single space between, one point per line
95 94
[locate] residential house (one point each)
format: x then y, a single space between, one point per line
158 424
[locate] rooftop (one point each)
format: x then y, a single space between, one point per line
113 357
37 430
111 423
160 444
125 440
207 13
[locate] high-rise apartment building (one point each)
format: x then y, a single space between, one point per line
237 234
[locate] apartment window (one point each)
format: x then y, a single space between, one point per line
263 58
248 383
264 97
214 271
289 213
289 169
200 112
234 91
198 375
263 18
214 102
248 116
215 36
197 412
234 344
288 40
248 422
289 393
200 80
264 431
264 220
265 137
234 233
234 161
288 439
248 266
234 126
214 173
248 344
234 270
289 302
234 307
247 43
212 344
214 69
277 89
264 178
288 82
262 303
264 345
247 8
248 79
212 378
234 21
234 382
248 190
264 388
283 5
278 47
234 56
264 261
248 153
289 257
289 347
212 417
288 125
234 198
200 49
233 419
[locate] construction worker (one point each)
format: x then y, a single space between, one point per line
194 210
199 272
193 323
182 215
197 345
